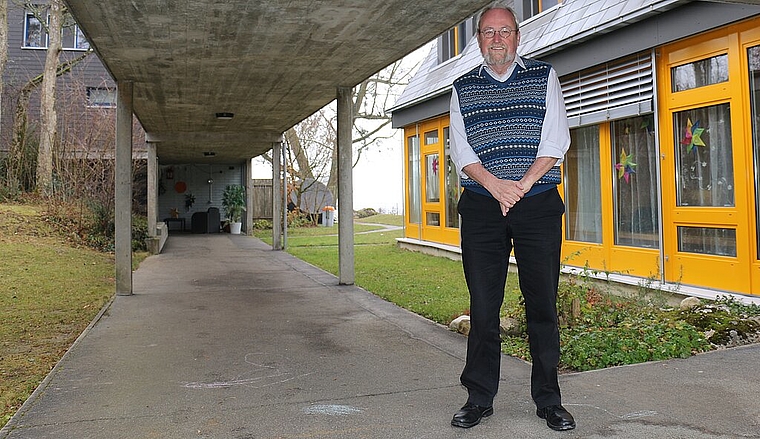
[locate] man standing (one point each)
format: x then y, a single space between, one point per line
509 134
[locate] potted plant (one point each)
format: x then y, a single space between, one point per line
189 201
233 201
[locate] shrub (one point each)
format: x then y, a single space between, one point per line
262 224
139 233
296 218
724 325
600 329
366 212
8 193
92 224
591 347
98 229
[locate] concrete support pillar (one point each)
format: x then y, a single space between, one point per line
248 220
345 187
123 191
285 195
276 196
152 190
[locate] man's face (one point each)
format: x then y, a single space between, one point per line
498 51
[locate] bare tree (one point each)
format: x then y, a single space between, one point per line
29 163
312 144
48 117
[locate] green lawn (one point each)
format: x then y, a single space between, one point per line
49 293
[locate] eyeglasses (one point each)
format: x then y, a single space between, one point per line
503 32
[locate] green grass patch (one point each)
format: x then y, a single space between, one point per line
49 293
380 237
429 286
384 218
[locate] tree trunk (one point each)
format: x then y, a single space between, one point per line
302 160
332 181
48 117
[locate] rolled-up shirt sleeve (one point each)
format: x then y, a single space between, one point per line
555 133
462 153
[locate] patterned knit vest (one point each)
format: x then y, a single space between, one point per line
503 120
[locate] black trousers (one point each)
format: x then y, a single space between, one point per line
533 228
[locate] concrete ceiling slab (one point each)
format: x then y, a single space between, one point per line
271 63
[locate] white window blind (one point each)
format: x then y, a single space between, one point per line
613 90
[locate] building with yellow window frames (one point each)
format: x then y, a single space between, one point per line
662 179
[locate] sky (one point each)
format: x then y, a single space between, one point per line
378 177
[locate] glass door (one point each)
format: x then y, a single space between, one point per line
751 51
705 209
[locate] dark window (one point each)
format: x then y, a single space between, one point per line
453 42
535 7
101 97
36 35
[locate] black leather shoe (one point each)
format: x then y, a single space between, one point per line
470 415
557 418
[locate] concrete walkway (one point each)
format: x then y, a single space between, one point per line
225 338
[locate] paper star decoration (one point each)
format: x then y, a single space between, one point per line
626 166
692 135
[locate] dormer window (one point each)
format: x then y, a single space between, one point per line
453 42
535 7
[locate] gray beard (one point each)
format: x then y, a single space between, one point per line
495 61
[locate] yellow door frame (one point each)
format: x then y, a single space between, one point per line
411 229
749 36
713 271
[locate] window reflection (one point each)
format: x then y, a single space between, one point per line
635 182
704 154
431 137
753 58
433 219
582 191
432 187
452 184
413 190
700 73
707 240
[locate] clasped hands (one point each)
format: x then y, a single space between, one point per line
507 193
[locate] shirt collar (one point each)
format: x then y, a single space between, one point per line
517 61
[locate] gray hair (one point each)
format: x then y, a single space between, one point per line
500 5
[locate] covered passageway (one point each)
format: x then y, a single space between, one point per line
220 82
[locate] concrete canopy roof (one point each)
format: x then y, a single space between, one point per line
272 62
